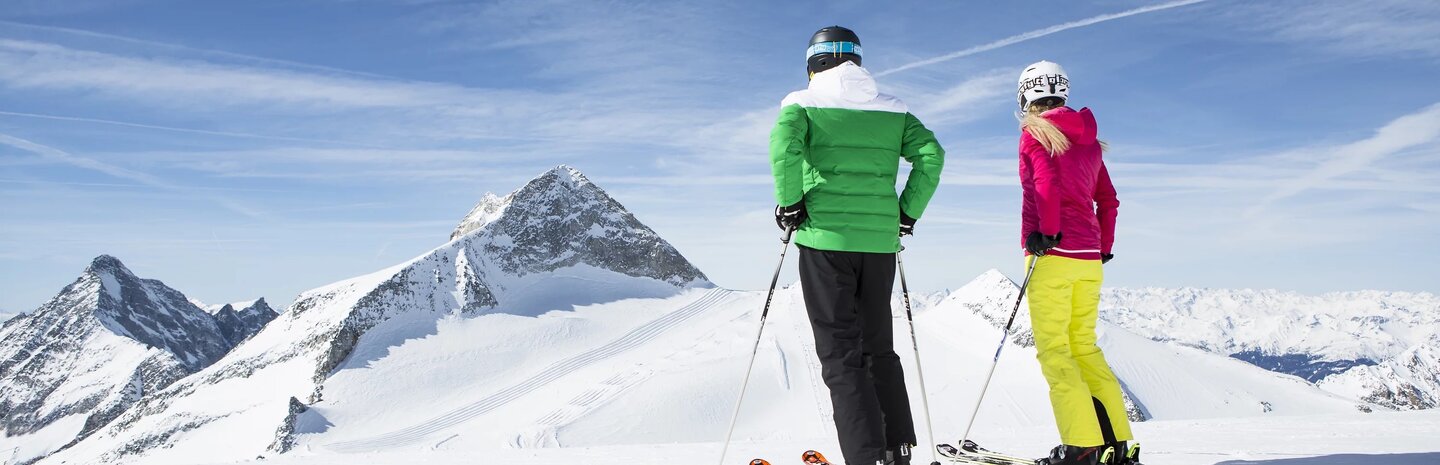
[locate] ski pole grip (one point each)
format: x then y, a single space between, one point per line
788 232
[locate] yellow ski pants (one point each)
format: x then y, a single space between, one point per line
1064 299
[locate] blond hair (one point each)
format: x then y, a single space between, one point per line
1045 132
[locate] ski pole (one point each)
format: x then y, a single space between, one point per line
784 247
1023 285
919 372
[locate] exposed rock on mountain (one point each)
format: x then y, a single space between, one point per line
104 342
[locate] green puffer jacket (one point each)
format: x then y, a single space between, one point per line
837 146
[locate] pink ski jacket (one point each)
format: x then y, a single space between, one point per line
1068 192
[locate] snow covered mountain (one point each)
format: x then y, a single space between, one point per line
1408 380
561 219
556 243
1378 346
101 344
652 370
554 318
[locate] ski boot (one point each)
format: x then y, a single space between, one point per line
813 457
898 455
1072 455
1126 454
759 462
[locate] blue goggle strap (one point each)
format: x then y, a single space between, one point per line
832 47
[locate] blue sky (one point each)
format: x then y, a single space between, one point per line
245 149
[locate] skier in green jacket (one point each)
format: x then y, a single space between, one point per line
835 153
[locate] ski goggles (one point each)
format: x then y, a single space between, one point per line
832 47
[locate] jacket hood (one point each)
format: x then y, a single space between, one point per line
847 81
1078 126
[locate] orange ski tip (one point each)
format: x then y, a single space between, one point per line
811 456
759 462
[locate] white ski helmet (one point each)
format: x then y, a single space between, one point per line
1040 80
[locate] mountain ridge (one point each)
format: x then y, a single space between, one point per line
559 260
560 242
94 349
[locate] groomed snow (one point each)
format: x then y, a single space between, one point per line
1394 438
648 371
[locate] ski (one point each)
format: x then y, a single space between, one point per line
970 460
970 451
813 458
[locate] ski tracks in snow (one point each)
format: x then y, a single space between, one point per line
791 325
544 432
555 371
800 326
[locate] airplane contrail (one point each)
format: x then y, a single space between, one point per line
1038 33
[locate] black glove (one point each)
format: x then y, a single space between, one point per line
907 225
790 217
1038 243
1105 258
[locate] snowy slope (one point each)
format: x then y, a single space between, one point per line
1395 438
1165 382
1384 338
561 243
672 378
663 370
93 350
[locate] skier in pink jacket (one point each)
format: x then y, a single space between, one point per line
1068 229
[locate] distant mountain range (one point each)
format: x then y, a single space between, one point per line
554 317
1377 346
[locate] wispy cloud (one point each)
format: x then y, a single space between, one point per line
959 103
1414 130
177 129
1363 29
358 110
61 156
1038 33
308 165
654 50
18 8
37 65
183 49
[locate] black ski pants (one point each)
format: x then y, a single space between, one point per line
847 295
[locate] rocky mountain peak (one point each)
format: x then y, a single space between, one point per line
560 219
559 182
146 311
239 324
98 346
107 263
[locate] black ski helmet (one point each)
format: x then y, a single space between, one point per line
822 56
